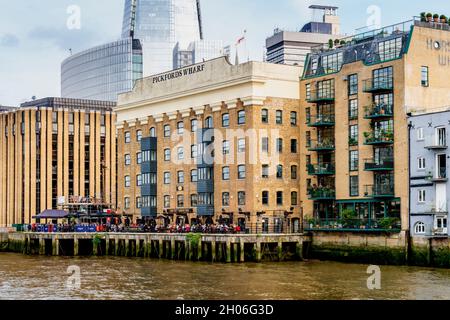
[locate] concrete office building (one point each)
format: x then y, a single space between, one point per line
429 186
170 165
291 48
52 149
354 104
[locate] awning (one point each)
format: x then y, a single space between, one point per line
52 214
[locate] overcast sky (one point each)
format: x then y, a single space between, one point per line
34 37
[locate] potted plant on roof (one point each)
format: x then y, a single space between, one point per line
436 17
336 42
429 17
443 19
330 44
423 17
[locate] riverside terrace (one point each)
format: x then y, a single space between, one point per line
192 247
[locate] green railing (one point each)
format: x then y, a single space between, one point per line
324 145
391 225
321 96
381 190
321 120
383 83
378 111
321 169
322 194
379 137
383 164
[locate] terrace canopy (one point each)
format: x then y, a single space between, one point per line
52 214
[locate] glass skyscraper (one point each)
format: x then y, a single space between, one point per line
160 25
150 34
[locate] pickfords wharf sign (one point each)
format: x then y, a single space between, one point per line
179 73
443 47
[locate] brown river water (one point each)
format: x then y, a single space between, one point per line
39 278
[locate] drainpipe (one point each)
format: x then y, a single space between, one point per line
408 232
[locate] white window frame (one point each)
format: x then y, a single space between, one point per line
420 134
421 196
421 163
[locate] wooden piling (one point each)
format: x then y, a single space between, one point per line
161 248
76 246
228 253
213 251
258 251
41 245
242 251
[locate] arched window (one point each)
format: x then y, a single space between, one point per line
153 132
225 120
265 116
209 123
419 228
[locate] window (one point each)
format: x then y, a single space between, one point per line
194 125
180 127
209 123
153 132
139 180
294 145
225 120
241 117
166 131
354 160
422 196
194 200
354 186
390 49
226 147
180 153
241 198
127 160
293 118
308 91
241 172
194 151
139 157
308 139
241 145
127 181
265 198
280 172
383 78
265 116
294 172
138 202
353 135
166 154
166 177
353 109
127 137
421 163
194 175
352 84
332 62
226 173
425 77
279 145
279 117
206 199
166 202
420 134
265 171
279 198
265 144
419 228
441 137
139 135
226 199
180 175
127 203
180 201
294 198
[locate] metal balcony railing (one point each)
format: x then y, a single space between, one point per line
382 164
377 84
321 169
322 194
375 111
321 120
323 145
379 137
380 190
321 96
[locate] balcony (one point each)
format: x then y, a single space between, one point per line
391 225
436 144
320 96
381 190
321 120
379 111
383 164
440 176
379 137
379 84
322 194
323 169
324 145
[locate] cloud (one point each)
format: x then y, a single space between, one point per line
9 40
64 38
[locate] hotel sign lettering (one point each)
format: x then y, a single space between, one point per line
179 73
443 47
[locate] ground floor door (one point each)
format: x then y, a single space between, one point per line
440 225
441 197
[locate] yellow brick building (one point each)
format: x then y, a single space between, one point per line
52 149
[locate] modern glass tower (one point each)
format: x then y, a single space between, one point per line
160 25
